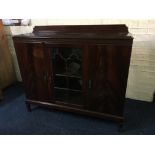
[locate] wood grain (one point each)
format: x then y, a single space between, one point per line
7 73
106 52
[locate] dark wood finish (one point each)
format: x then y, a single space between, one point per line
34 63
77 110
106 51
108 72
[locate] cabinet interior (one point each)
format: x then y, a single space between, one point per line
67 73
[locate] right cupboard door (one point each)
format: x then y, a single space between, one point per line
107 78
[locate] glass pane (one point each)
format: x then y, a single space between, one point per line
61 95
75 83
75 98
67 69
60 81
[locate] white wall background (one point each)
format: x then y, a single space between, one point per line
141 81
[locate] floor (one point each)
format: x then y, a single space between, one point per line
16 120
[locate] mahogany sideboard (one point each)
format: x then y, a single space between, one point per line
76 68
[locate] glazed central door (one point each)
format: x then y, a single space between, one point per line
67 66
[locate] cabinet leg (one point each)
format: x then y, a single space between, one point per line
28 107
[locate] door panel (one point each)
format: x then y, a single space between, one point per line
108 72
35 67
67 63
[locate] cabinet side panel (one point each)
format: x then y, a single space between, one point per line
25 68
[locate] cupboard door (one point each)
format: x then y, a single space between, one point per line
108 72
67 64
36 72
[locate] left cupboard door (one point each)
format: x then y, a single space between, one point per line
36 70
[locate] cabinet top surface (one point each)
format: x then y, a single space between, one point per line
78 32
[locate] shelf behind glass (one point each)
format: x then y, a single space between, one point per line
67 72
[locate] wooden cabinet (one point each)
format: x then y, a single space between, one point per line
81 69
7 73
